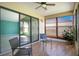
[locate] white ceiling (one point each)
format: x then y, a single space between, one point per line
58 8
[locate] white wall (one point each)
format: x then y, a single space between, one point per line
41 26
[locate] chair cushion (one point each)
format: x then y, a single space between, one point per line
43 36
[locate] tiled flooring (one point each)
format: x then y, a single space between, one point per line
53 49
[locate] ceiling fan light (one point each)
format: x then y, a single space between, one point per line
44 5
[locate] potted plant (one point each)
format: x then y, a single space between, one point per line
69 35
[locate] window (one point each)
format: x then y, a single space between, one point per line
51 27
64 23
56 26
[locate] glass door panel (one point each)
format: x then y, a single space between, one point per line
9 28
24 29
35 29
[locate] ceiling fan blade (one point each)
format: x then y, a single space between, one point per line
38 7
38 2
41 2
50 4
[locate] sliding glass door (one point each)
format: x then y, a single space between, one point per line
24 29
29 31
17 25
35 29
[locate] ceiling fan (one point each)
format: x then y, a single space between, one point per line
44 5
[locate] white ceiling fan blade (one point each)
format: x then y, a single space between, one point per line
38 7
50 4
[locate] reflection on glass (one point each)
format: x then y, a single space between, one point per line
51 27
64 23
24 29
